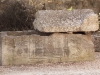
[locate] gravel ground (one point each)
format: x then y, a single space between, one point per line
75 68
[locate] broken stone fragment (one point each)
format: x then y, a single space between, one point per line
66 21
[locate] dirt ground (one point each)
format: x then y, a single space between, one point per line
75 68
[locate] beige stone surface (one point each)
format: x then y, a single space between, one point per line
65 20
69 68
55 48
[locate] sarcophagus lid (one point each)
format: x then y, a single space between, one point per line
66 20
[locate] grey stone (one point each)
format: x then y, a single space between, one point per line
55 48
96 41
65 21
85 3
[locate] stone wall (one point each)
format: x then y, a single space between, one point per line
64 4
96 41
29 7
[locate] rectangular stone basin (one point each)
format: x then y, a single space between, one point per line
28 48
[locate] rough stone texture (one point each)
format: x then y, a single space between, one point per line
55 48
65 21
96 41
54 4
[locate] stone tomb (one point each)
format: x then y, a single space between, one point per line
25 48
47 45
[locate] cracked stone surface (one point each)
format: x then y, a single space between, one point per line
66 20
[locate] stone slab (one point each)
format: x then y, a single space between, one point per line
34 49
66 20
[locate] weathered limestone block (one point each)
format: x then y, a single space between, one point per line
55 48
65 21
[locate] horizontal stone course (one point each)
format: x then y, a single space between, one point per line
66 20
55 48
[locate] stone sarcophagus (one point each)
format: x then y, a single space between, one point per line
52 43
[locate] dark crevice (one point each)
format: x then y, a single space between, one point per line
79 33
74 33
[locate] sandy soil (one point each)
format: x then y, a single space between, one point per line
75 68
